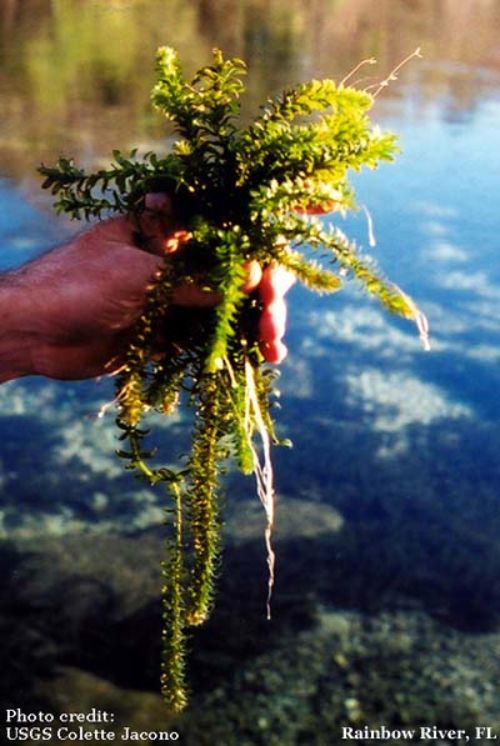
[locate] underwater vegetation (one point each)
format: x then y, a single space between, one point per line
242 193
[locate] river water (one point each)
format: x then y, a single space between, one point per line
387 602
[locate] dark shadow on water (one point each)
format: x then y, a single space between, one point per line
28 650
67 611
85 621
421 527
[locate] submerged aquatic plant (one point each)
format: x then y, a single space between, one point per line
242 193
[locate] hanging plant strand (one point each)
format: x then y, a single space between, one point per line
241 194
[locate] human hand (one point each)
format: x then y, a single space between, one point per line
73 309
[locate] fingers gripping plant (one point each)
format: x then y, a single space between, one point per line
242 193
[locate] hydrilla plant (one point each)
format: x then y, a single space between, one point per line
242 193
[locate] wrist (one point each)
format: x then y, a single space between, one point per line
16 339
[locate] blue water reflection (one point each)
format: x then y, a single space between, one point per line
24 230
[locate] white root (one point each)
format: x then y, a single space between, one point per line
263 470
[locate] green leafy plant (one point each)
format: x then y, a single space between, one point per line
243 193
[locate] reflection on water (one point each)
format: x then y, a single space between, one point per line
387 603
75 75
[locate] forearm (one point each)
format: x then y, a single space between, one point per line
15 337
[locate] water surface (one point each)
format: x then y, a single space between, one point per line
387 602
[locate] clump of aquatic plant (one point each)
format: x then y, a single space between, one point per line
242 193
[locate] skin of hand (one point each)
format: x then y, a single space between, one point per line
72 309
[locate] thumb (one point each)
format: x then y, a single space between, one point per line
157 222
